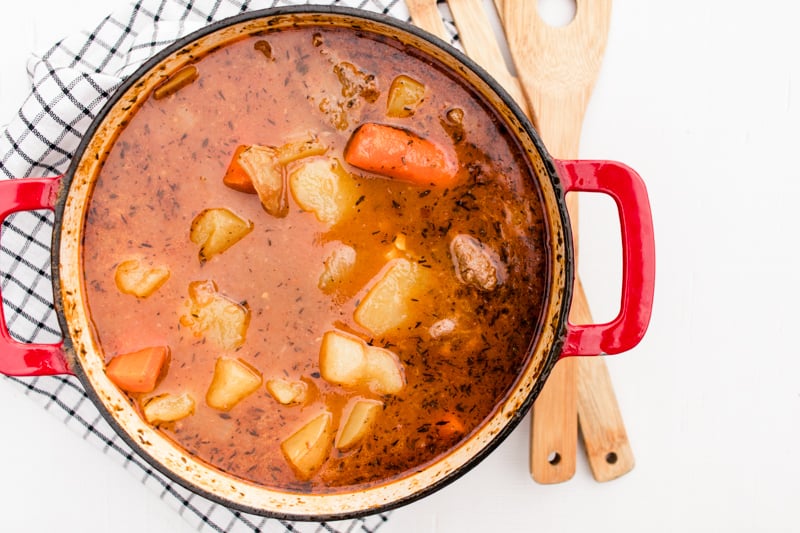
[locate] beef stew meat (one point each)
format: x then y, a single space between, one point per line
315 261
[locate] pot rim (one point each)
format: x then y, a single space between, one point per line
560 319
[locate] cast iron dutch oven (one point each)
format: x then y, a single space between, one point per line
79 354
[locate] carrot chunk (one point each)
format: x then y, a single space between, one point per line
138 371
236 177
400 154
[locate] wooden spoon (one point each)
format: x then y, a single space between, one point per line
425 14
558 67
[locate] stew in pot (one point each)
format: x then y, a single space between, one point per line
313 261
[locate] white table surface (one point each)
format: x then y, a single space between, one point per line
703 99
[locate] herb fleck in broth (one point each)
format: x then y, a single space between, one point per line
461 345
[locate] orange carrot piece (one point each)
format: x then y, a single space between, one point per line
236 176
449 426
400 154
138 371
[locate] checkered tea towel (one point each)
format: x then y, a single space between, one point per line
70 83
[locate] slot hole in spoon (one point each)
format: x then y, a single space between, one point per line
554 458
557 13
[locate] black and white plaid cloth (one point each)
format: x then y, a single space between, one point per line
70 83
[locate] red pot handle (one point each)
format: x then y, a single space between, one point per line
18 358
627 189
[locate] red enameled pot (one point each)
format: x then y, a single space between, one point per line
79 353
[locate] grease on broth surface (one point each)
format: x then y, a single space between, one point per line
460 342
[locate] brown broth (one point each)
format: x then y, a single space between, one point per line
167 166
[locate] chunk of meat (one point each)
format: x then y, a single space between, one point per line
356 82
476 264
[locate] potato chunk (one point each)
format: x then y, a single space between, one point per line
405 95
359 416
135 278
342 358
216 230
261 163
337 266
233 381
323 187
386 305
168 408
384 372
220 319
287 392
347 360
307 448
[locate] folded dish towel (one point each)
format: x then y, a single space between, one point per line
70 83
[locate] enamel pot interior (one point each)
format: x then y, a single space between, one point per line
86 356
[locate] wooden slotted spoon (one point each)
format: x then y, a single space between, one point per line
557 68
